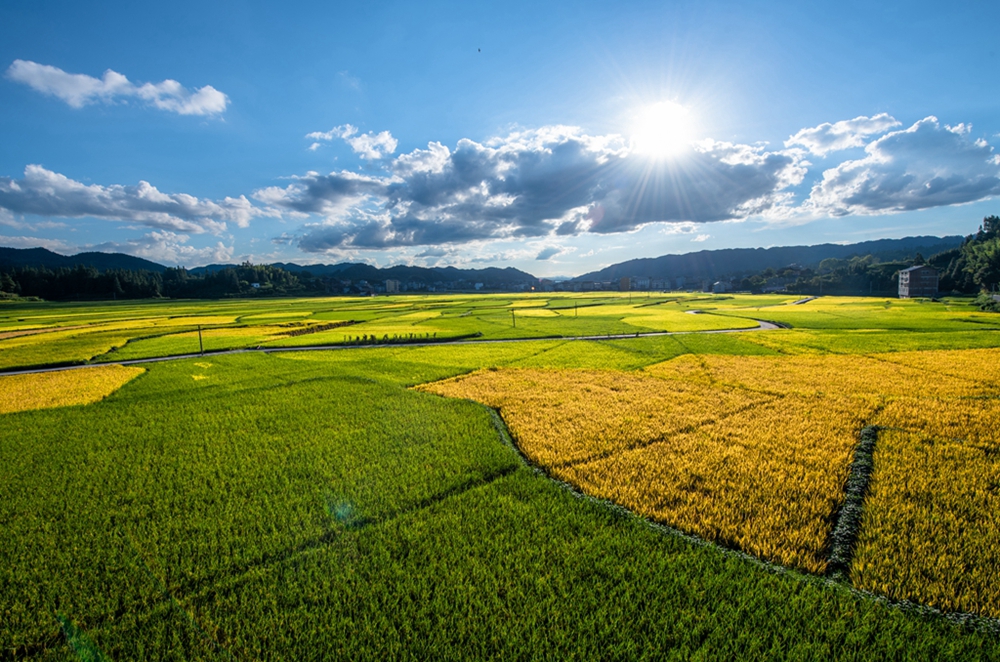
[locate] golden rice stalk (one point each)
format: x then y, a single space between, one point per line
930 532
62 388
825 374
573 415
980 365
973 420
766 480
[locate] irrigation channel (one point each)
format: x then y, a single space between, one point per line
762 326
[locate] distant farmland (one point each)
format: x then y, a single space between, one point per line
693 495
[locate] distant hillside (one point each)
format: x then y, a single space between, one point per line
735 261
490 277
701 265
17 258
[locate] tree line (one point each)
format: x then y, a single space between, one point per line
87 283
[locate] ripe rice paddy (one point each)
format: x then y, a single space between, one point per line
62 389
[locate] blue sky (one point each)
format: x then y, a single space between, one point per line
554 137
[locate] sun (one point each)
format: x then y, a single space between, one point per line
663 129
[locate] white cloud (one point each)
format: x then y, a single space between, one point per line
826 137
369 145
57 245
168 248
554 180
434 251
334 195
8 219
78 90
924 166
702 237
679 228
45 193
548 252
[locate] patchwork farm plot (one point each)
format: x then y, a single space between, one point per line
331 504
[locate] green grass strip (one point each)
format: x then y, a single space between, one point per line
845 532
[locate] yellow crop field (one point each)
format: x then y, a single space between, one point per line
565 416
821 374
765 481
931 526
60 389
931 529
755 471
975 421
673 318
970 365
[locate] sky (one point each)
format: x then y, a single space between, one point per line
557 138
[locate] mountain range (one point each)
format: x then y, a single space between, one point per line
17 258
715 264
709 264
491 277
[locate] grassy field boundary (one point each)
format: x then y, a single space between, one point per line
848 517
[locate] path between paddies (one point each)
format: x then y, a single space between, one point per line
762 325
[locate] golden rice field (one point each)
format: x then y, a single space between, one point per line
553 413
820 374
765 480
61 389
931 525
753 452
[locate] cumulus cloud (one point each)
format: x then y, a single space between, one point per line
8 219
926 165
434 251
57 245
168 247
532 184
42 192
548 252
79 90
330 195
702 237
369 145
825 138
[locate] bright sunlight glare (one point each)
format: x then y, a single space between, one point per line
662 129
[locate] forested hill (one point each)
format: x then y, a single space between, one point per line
41 273
733 261
15 258
490 277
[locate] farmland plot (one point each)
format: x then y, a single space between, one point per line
314 506
753 452
62 389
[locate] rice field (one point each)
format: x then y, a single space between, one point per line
753 452
332 505
931 532
62 389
